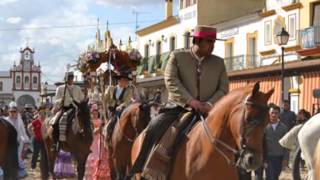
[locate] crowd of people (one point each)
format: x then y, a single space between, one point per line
280 141
184 79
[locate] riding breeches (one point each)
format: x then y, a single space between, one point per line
154 131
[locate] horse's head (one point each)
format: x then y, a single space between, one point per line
83 116
251 117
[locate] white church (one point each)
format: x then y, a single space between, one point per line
22 83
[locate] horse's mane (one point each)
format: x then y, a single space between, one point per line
232 99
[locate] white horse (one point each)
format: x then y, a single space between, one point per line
308 138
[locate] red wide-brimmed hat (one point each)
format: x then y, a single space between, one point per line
206 32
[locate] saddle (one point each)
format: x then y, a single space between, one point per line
158 164
60 123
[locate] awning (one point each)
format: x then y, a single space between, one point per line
311 81
266 84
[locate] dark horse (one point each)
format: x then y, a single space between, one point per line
79 139
233 132
8 150
132 122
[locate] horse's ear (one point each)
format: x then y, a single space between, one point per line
256 88
269 93
76 103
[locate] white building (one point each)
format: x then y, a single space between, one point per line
22 82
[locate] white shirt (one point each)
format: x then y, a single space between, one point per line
22 136
118 91
274 125
75 90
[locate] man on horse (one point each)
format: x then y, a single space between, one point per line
117 99
195 79
66 94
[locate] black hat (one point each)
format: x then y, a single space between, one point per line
124 74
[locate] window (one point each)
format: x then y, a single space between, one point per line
187 40
292 26
228 45
172 43
18 80
188 3
251 49
158 53
35 80
181 4
316 14
27 55
1 86
158 48
26 80
229 49
267 33
146 50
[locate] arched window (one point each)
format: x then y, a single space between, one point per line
146 50
158 48
35 80
18 80
26 80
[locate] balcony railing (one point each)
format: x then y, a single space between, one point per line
241 62
310 37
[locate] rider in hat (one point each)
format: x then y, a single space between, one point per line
195 79
66 94
118 98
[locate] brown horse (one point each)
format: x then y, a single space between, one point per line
233 132
8 150
317 161
79 139
133 121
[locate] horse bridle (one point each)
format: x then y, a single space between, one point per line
245 129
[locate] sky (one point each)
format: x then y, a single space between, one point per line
59 30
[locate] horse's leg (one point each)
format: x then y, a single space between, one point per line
51 156
44 168
81 165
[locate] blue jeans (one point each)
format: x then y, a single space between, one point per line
274 167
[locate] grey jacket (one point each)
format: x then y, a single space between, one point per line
272 137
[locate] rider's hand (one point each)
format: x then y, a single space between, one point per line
195 104
285 164
205 107
119 108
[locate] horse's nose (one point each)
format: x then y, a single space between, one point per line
252 161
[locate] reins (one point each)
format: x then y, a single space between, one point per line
244 132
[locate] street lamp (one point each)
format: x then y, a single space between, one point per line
282 39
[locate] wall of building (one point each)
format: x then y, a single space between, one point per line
215 11
305 14
280 16
34 95
237 30
187 21
6 83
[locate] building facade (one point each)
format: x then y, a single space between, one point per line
23 82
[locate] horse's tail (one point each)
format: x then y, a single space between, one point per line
317 161
12 162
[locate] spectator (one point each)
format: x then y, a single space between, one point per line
35 130
287 117
97 166
22 136
27 115
275 157
303 116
